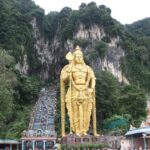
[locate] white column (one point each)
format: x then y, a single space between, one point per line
17 147
144 138
132 144
54 143
22 144
44 144
10 146
33 144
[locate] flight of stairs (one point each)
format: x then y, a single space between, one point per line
43 116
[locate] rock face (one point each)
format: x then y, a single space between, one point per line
94 33
112 63
23 67
43 51
51 54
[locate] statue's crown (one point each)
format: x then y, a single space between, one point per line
78 50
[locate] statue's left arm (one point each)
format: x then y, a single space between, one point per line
91 78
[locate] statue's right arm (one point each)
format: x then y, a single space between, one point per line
64 74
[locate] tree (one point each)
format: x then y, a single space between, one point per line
101 48
142 55
133 101
28 88
107 94
7 80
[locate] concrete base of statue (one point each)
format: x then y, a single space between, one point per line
88 139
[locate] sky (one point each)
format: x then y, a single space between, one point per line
125 11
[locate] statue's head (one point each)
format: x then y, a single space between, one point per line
78 55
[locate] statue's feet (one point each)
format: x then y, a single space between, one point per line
95 134
63 135
71 133
84 133
78 134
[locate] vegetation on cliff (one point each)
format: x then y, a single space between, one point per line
18 93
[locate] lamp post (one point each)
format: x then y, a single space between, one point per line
144 138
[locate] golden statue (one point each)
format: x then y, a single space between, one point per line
79 97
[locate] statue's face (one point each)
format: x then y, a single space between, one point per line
78 58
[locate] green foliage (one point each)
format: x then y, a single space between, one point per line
118 99
88 15
16 30
132 97
91 55
107 94
140 28
28 87
15 92
142 54
20 122
7 81
51 24
101 48
82 42
137 63
66 26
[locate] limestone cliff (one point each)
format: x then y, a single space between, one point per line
52 53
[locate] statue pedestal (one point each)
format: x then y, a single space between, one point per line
74 139
112 141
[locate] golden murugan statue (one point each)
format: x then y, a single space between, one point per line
79 97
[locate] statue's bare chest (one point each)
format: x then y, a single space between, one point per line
79 74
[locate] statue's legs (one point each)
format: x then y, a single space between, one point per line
85 113
89 108
75 118
81 118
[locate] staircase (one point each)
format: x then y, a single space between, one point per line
42 121
44 111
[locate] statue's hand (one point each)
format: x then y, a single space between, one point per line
90 90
